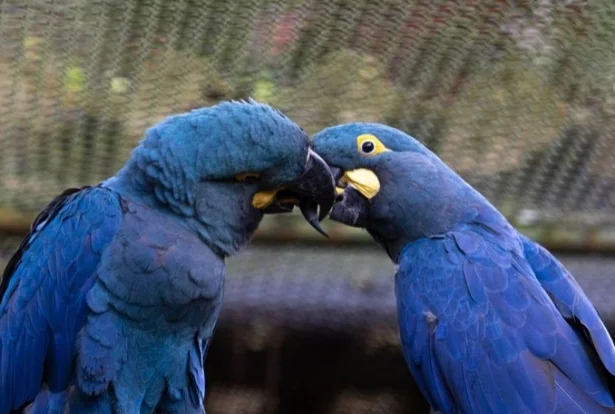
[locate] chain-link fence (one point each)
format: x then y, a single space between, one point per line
517 96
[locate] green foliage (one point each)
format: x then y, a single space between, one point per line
264 90
500 120
344 86
74 80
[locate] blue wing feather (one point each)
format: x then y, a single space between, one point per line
483 321
43 292
570 299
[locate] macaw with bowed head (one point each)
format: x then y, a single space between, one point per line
111 300
490 321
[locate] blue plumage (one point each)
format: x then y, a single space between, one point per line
110 302
490 322
44 305
498 347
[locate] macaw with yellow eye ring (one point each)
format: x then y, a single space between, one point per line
490 321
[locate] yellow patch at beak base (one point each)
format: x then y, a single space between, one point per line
262 199
364 180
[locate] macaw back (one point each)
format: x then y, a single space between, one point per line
491 323
107 304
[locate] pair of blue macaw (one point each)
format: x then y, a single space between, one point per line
110 302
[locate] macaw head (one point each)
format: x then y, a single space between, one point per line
390 184
221 168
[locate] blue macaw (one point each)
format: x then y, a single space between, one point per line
490 321
109 304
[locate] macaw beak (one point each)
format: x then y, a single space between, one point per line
351 208
362 179
355 189
314 193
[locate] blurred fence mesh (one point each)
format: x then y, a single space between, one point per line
517 96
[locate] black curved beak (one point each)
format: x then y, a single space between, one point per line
314 193
318 184
351 208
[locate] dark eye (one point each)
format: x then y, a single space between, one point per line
248 177
368 147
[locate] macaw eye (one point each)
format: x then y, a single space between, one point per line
368 147
248 177
369 144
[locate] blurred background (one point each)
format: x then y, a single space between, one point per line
517 96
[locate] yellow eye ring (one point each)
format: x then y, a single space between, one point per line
370 145
247 177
